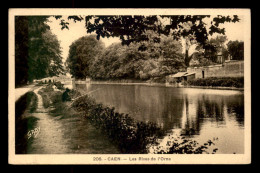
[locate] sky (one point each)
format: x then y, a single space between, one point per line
234 31
76 30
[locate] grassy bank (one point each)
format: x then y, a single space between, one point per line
236 82
23 122
57 101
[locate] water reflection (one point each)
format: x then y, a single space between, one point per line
196 113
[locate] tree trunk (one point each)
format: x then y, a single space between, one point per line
187 58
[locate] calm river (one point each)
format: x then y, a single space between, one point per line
200 114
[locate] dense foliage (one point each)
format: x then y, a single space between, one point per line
133 28
216 46
82 53
182 145
125 62
37 50
21 50
236 50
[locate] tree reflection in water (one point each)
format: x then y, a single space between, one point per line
184 111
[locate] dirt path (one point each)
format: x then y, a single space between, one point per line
49 140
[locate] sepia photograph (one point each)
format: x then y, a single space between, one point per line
129 86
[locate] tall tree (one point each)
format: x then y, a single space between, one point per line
215 46
37 50
173 59
236 49
82 53
44 50
53 52
122 61
21 50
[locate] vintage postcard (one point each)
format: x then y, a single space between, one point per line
129 86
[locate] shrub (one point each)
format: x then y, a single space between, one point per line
56 97
158 79
48 89
74 93
26 104
59 85
237 82
181 145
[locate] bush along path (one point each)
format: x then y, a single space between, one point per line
24 122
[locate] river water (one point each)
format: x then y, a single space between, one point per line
199 114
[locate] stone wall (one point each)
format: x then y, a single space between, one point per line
228 69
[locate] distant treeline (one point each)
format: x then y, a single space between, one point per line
89 58
145 60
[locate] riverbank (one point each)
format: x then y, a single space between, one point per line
218 82
167 85
128 135
123 131
217 88
224 83
127 83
